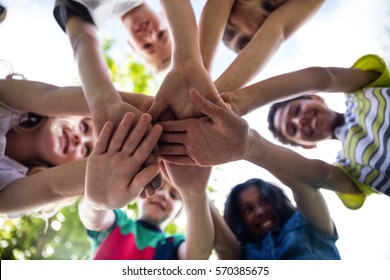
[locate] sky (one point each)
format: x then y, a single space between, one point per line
340 33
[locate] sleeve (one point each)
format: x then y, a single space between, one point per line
97 237
373 62
64 9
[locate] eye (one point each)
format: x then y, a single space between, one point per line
162 34
228 35
242 42
269 7
174 194
84 127
87 150
247 210
297 110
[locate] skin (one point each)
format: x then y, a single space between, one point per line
148 34
259 217
53 184
158 209
44 145
245 20
305 122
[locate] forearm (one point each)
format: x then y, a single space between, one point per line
95 219
199 227
48 186
95 79
42 98
212 22
182 24
225 244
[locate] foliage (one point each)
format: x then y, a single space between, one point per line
63 236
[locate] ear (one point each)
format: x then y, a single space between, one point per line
309 146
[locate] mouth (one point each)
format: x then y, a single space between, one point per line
157 204
142 27
64 142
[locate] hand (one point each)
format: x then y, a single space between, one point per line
191 181
221 137
173 93
114 113
115 174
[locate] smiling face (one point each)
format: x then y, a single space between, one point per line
148 35
65 140
258 215
245 20
161 207
305 121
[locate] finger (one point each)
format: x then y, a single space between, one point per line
179 160
208 108
103 139
147 145
174 125
173 138
166 150
137 134
143 194
121 132
145 176
150 190
156 109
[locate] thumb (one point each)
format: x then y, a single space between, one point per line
212 110
156 109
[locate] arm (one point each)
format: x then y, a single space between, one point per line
213 19
277 28
187 67
202 144
313 79
50 100
191 182
42 188
103 99
226 244
95 219
42 98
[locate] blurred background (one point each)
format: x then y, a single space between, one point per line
340 33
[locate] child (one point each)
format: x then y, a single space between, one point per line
253 29
352 178
39 135
148 34
269 227
115 236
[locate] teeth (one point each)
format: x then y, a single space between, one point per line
266 223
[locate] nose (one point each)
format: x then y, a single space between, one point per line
260 211
300 121
76 139
161 193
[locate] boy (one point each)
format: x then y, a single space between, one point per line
361 168
113 234
147 30
253 29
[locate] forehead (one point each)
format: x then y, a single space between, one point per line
249 193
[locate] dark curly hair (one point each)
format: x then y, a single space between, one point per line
271 119
274 195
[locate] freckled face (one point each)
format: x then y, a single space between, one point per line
259 216
72 144
305 121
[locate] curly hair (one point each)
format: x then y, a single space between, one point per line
274 195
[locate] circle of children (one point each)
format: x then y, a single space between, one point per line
114 147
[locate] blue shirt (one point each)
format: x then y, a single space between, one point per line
296 240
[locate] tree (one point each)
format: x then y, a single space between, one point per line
62 236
